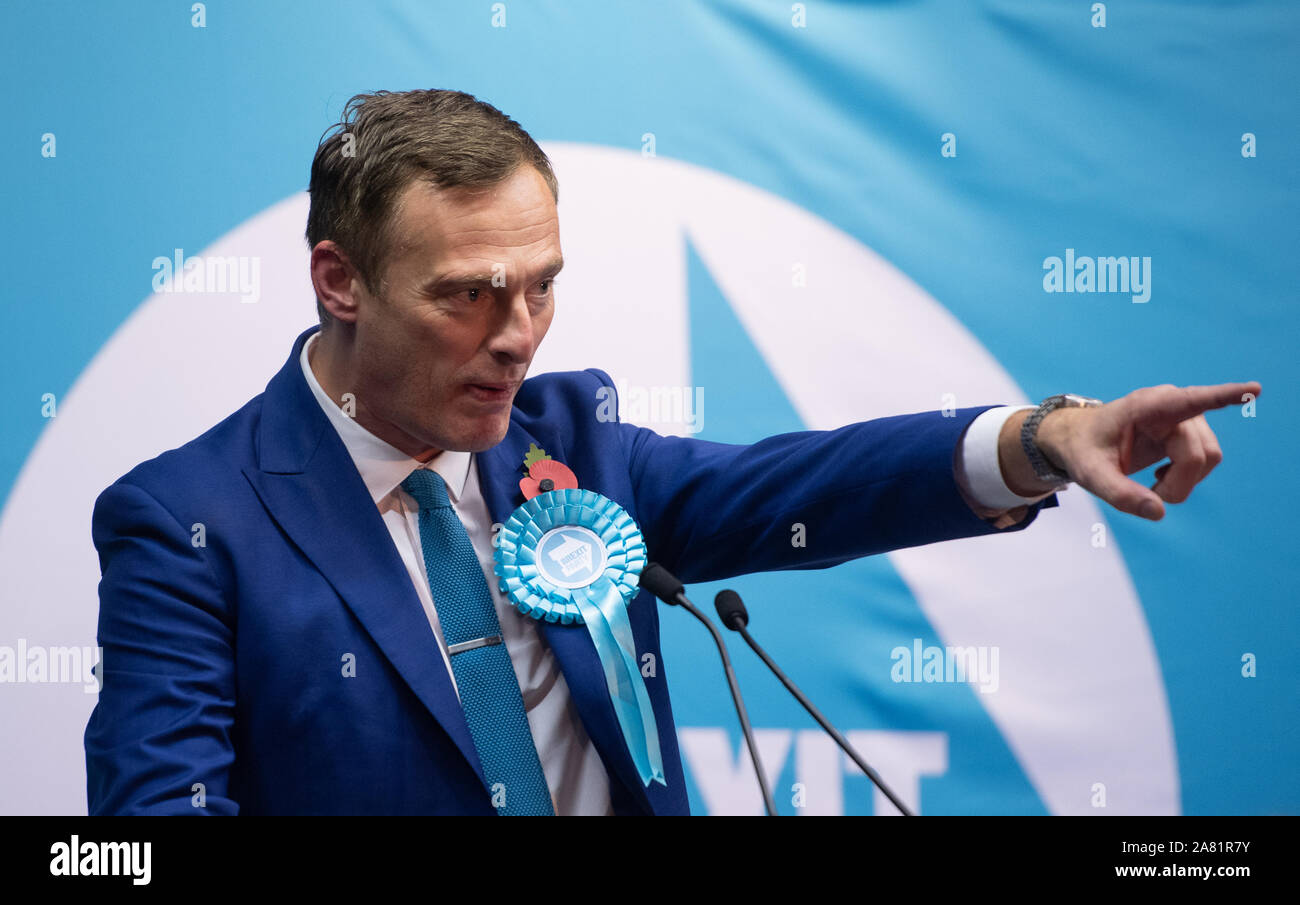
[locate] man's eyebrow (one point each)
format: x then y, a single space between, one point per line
452 279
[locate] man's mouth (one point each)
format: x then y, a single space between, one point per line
490 392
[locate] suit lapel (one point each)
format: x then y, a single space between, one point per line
312 489
500 469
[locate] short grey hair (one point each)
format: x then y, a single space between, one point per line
386 140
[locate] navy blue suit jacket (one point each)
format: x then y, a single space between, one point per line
224 644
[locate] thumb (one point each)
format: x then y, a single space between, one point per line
1104 479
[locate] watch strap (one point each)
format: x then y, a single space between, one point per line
1044 470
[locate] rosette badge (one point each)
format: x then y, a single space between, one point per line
574 557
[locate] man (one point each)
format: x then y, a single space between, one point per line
312 655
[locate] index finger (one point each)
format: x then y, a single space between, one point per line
1189 402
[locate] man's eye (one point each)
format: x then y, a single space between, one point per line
472 294
545 286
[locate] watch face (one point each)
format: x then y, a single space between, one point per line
1073 399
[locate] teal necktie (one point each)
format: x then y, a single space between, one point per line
489 690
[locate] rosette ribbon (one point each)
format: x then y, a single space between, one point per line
574 556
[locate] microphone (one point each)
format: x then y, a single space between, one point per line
664 585
732 612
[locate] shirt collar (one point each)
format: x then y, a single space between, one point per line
382 466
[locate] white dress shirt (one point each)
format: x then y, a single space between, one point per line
574 772
980 474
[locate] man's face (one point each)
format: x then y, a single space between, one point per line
440 355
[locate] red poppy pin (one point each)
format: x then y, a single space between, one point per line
545 474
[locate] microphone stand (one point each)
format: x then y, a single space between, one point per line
660 582
731 610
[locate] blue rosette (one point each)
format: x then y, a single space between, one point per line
575 557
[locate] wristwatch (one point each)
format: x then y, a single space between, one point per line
1043 469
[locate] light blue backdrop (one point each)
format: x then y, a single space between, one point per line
1118 140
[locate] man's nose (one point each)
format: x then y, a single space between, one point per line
514 334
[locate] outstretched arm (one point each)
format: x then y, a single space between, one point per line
802 500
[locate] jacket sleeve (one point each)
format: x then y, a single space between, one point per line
166 705
802 500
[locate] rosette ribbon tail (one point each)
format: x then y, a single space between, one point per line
605 615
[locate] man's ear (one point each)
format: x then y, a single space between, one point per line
335 280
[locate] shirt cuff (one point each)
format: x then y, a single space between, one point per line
980 474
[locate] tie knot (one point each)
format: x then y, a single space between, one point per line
428 488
